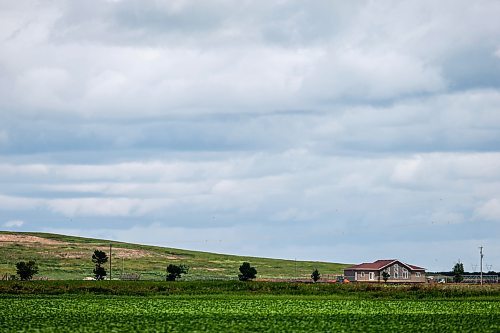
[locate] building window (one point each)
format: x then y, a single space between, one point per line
362 274
371 276
405 274
396 271
417 274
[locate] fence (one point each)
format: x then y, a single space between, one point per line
476 278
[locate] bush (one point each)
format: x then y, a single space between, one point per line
175 272
247 272
26 270
315 276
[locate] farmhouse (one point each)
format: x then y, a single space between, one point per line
399 272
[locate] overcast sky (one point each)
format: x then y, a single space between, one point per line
342 131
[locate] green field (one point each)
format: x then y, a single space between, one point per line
209 300
232 313
234 306
69 258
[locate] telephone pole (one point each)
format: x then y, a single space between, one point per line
481 261
110 255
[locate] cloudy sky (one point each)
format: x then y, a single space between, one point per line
320 130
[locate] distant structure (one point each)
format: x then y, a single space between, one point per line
480 279
399 272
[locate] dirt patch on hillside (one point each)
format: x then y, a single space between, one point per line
79 250
208 269
117 252
171 257
28 239
131 253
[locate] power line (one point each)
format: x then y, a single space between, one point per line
110 255
481 260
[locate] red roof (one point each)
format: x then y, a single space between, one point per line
416 268
381 264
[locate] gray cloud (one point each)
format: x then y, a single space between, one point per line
337 131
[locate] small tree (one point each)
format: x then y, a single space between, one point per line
458 272
175 272
247 272
315 276
99 272
385 276
99 258
26 270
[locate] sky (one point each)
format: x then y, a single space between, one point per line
312 130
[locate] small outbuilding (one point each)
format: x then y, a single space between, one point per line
398 271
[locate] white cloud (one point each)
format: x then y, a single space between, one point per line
303 122
115 207
365 75
87 67
8 202
13 224
43 87
490 210
10 170
406 171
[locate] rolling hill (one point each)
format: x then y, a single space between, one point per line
69 258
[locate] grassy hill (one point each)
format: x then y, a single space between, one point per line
69 258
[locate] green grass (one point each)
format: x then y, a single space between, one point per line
216 313
68 258
234 306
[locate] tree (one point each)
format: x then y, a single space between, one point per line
175 272
26 270
315 275
247 272
385 276
99 272
99 258
458 272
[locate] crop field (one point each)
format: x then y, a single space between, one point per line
216 313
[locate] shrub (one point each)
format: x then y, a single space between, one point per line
175 272
315 276
26 270
247 272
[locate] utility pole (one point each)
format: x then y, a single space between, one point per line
296 277
481 261
110 255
